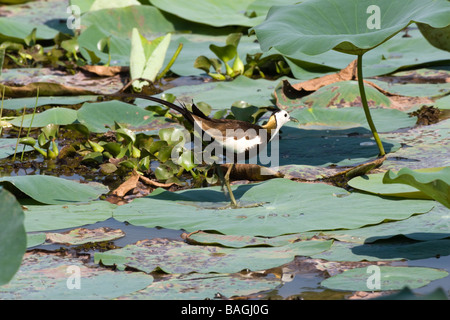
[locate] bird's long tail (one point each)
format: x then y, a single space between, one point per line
179 109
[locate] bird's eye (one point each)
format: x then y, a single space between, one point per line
285 114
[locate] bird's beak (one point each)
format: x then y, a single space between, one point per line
293 119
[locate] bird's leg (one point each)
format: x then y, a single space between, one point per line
227 183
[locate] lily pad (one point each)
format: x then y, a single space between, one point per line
433 225
391 278
101 116
423 147
341 251
48 277
434 183
202 286
58 116
335 95
8 147
295 207
222 95
82 235
53 190
35 239
211 12
374 183
177 257
352 117
20 103
147 19
347 24
13 29
236 241
12 236
55 217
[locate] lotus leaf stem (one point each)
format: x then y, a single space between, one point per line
366 107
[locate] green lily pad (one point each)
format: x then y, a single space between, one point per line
295 207
335 95
342 251
14 29
147 19
202 286
443 103
82 235
101 116
352 117
211 12
433 225
374 183
434 182
237 241
107 4
35 239
12 236
391 278
222 95
423 147
177 257
58 116
318 26
8 147
55 217
20 103
53 190
48 277
415 89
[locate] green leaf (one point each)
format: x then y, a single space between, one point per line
216 13
108 4
53 190
352 117
226 54
156 59
186 160
14 29
202 63
20 103
8 147
163 172
147 19
29 141
13 238
173 256
55 217
97 117
438 37
374 183
391 278
353 27
203 286
137 55
295 207
54 278
434 182
58 116
343 251
432 225
172 135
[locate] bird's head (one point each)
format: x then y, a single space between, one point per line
277 120
282 117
